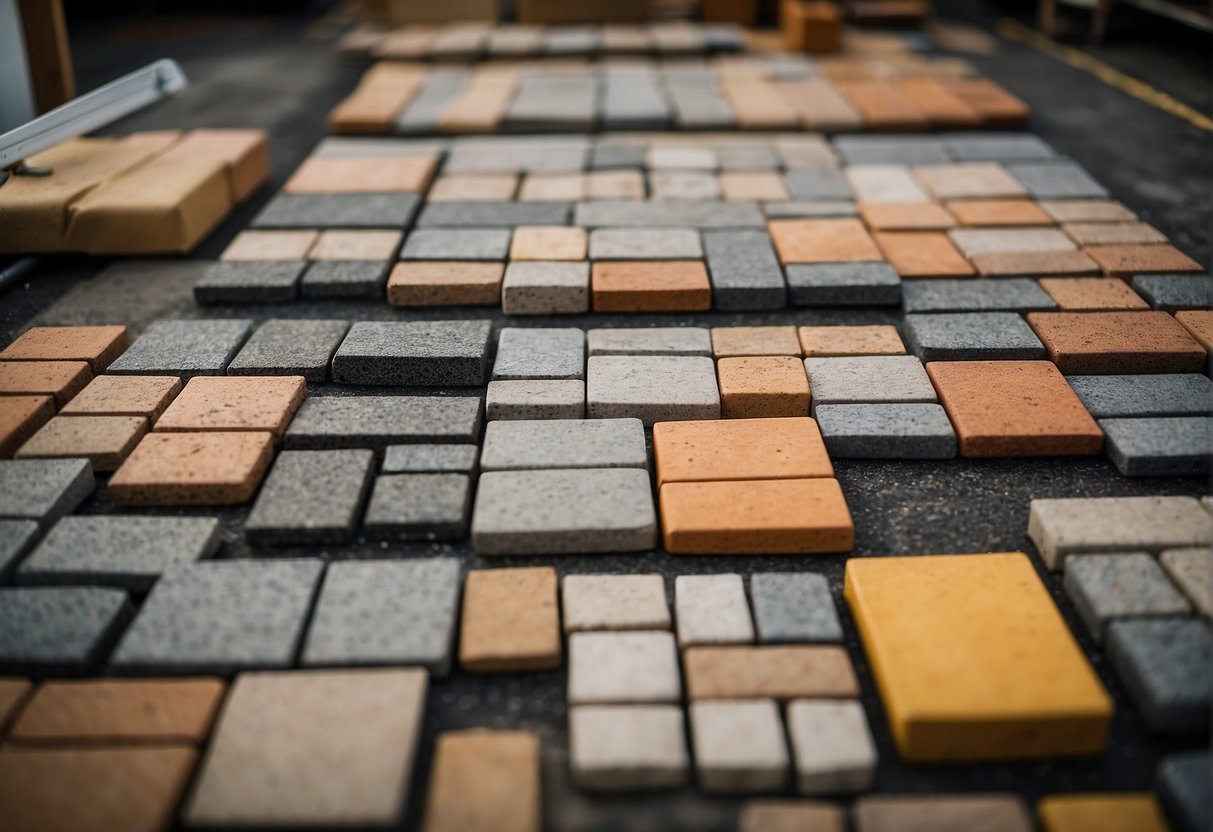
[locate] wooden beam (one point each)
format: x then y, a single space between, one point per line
46 50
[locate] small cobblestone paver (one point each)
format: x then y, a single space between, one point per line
510 621
791 607
781 672
1192 571
629 668
430 459
1159 446
972 336
105 441
546 288
417 353
290 348
385 612
43 489
614 602
378 421
1104 588
711 609
59 629
832 746
868 379
739 746
249 281
886 431
120 550
212 403
520 445
1165 664
184 348
535 399
124 396
456 244
418 507
350 279
534 353
311 497
628 748
221 617
651 388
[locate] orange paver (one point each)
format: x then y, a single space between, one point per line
923 254
104 440
120 711
270 245
125 396
1033 263
263 403
906 216
61 380
822 241
473 187
356 245
998 213
193 469
484 781
556 242
942 108
445 283
997 107
769 672
1117 342
759 517
1113 233
390 174
757 186
98 345
736 341
510 620
883 107
1090 294
93 789
1125 261
1014 408
1199 323
749 449
1095 812
1086 210
832 341
20 418
651 286
763 387
13 691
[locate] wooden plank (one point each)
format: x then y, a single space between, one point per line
47 52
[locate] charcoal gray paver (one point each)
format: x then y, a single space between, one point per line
553 287
456 244
865 379
1173 292
1185 785
972 336
59 629
1122 585
744 271
843 284
897 150
378 421
249 281
519 445
1167 394
1016 294
361 210
635 214
414 353
221 617
124 551
290 348
385 612
536 399
793 607
663 340
1156 446
1167 666
43 489
539 353
585 510
311 497
184 348
418 507
652 388
645 244
492 215
17 537
1056 179
430 459
823 182
886 431
344 279
997 147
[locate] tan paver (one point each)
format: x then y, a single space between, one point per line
1090 294
920 813
1033 263
484 781
614 184
836 341
98 345
104 440
262 403
1086 210
999 213
356 245
61 380
776 672
193 469
270 245
978 180
146 396
749 449
1124 261
733 341
822 241
1113 233
533 242
510 620
906 216
473 187
445 283
1199 323
614 602
763 386
389 174
650 286
771 815
922 254
20 418
13 693
756 186
552 187
1081 343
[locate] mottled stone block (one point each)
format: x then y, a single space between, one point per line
378 421
59 629
414 354
290 348
311 497
792 607
184 348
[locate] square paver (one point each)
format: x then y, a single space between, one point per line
43 489
290 348
711 609
763 386
631 668
344 279
249 281
231 403
106 395
210 468
972 336
614 602
378 421
1159 446
526 599
418 506
886 431
792 607
739 746
832 746
105 441
1104 588
416 354
59 629
650 286
519 445
652 388
627 748
1117 342
456 244
311 497
184 348
546 288
868 379
221 617
535 399
98 346
430 459
501 768
535 353
445 283
1165 665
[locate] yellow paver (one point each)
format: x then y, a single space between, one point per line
1126 812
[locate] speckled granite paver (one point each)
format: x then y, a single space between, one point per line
311 497
184 348
971 336
385 210
623 668
565 443
1159 446
221 617
1167 666
614 602
535 353
456 244
290 348
628 748
430 459
744 271
344 279
1173 292
414 354
843 284
385 612
868 379
59 629
1172 394
16 538
793 607
886 431
1014 294
672 341
119 550
378 421
546 288
461 216
249 281
535 399
564 511
43 489
1108 587
418 507
652 388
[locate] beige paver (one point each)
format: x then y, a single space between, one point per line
231 403
775 672
146 396
510 620
484 781
104 440
445 283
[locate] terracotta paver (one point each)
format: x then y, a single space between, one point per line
943 109
484 781
534 242
743 517
109 788
922 254
997 107
1014 408
906 216
120 711
510 620
104 440
997 213
1124 261
445 283
193 469
776 672
13 693
1086 210
735 341
758 186
1102 812
270 245
1081 343
98 345
391 174
473 187
762 386
973 661
125 396
834 341
749 449
1033 263
61 380
1199 323
883 107
650 286
356 245
822 241
20 418
1090 294
227 403
1113 233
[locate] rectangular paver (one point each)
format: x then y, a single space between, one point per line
418 353
546 288
1159 446
614 602
739 746
971 336
184 348
1165 665
652 388
510 620
832 746
1104 588
202 468
627 748
886 431
311 497
781 672
43 489
565 443
290 348
868 379
60 629
712 609
418 507
627 668
484 781
535 353
378 421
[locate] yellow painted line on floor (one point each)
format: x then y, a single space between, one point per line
1016 31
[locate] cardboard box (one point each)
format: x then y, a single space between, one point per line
811 26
